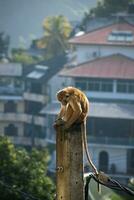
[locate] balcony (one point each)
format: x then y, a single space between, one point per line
10 90
22 117
38 120
111 141
110 95
35 97
27 141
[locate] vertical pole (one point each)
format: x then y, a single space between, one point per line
69 164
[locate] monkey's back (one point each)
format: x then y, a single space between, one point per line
83 100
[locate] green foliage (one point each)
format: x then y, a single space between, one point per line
106 7
57 31
115 196
123 196
20 56
24 171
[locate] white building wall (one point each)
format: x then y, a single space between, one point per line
20 106
57 83
1 106
89 52
117 156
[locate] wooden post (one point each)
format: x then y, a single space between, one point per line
69 164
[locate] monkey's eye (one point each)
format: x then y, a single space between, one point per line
67 95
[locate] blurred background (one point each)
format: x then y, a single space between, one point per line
44 47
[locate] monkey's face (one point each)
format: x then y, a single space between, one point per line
65 100
63 97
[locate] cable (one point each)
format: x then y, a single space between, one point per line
108 182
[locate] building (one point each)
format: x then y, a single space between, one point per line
109 85
105 72
16 121
24 91
112 39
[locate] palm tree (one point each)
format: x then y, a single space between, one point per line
57 31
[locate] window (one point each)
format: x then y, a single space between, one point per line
40 132
36 88
93 85
18 83
32 130
5 81
81 84
107 86
11 130
125 86
103 161
121 36
122 87
100 85
131 87
10 106
27 130
95 54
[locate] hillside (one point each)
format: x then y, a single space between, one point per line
22 20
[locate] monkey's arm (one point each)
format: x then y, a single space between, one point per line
61 113
59 121
76 107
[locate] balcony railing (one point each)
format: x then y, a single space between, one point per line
27 141
22 117
111 140
35 97
7 90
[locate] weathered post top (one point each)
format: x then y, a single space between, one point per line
69 163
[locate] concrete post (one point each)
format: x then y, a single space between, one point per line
69 164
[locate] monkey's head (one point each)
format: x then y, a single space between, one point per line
63 96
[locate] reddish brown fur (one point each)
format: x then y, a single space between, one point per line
74 109
74 105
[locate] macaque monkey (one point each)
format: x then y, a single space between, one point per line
74 110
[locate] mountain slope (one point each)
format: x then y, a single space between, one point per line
22 20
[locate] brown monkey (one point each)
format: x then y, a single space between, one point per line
74 109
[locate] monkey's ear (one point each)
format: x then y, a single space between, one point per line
60 95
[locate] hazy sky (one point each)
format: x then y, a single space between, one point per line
22 19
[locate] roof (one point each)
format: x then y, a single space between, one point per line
45 70
38 72
112 110
100 36
114 66
99 110
10 69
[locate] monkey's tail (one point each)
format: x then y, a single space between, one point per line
86 149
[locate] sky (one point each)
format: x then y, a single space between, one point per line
22 19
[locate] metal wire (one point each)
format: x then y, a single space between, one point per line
110 183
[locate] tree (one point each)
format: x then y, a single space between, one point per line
107 7
57 31
23 171
21 56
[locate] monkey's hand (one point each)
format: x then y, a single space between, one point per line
59 122
66 125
